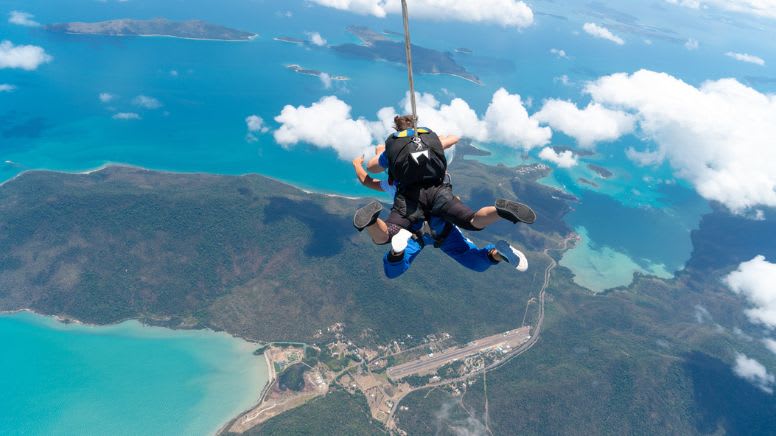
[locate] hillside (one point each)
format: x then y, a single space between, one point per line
248 255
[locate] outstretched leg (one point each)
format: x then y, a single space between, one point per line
366 217
396 264
506 209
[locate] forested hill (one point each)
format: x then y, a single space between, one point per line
249 255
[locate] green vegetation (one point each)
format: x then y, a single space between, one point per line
293 377
334 363
248 255
338 413
266 261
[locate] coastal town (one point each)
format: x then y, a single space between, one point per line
387 373
384 375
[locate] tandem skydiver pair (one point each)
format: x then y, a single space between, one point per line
425 211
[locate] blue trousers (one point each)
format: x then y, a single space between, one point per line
455 245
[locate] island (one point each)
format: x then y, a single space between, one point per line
351 352
194 29
301 70
601 171
290 40
377 46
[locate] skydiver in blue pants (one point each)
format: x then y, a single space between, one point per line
455 245
406 245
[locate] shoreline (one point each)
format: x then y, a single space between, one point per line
137 167
129 35
67 320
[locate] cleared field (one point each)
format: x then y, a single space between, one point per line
425 364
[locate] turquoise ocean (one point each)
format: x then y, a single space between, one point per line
639 220
125 379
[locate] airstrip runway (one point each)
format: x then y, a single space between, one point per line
425 364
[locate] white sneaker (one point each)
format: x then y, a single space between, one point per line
512 255
399 241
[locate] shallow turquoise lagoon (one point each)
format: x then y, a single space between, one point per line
124 379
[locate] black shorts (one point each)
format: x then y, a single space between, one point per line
415 205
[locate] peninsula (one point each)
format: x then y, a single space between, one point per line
194 29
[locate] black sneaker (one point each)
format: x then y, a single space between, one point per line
367 215
515 212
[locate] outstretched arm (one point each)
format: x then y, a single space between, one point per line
363 177
449 141
373 166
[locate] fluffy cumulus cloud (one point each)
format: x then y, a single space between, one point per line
770 344
601 32
564 159
25 57
754 372
756 281
315 124
559 53
22 19
506 121
592 124
146 102
106 97
510 13
7 87
761 8
126 116
317 39
718 136
255 125
744 57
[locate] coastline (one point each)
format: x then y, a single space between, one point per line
249 346
128 35
137 167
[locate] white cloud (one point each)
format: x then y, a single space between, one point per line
756 281
26 57
564 159
317 39
761 8
314 125
645 158
22 19
106 97
592 124
506 121
325 79
6 87
770 344
718 136
559 53
126 116
146 102
255 125
754 372
601 32
508 13
692 44
743 57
